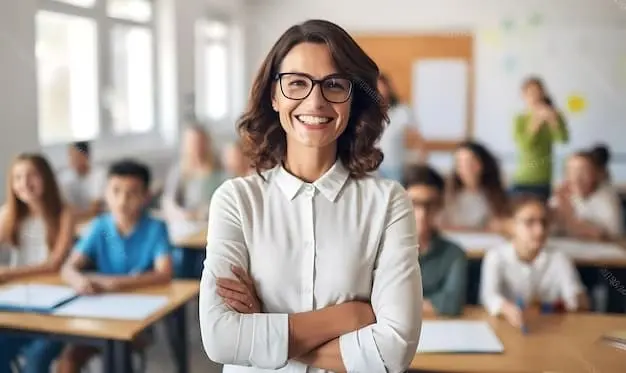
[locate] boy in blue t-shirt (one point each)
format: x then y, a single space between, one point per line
126 248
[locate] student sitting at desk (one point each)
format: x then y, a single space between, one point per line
586 207
127 247
38 229
523 270
443 264
193 180
82 184
475 197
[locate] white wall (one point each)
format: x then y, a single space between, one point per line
18 91
18 107
272 17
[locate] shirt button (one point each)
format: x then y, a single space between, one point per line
309 189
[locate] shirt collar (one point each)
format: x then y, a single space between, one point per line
112 227
538 262
330 184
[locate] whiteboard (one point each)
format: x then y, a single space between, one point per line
573 61
440 89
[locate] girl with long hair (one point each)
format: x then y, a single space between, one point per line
193 179
475 197
38 229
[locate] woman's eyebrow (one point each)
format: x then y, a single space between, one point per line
331 75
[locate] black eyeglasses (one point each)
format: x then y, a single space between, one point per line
428 204
298 86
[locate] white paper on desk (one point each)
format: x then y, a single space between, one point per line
577 249
183 229
35 296
113 306
475 241
456 336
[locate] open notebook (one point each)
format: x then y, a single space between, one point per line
456 336
113 306
34 297
475 241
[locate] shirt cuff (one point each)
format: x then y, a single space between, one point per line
494 306
265 337
360 353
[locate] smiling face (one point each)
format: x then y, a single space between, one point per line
27 182
530 229
468 167
582 175
312 122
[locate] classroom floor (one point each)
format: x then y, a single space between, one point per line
160 357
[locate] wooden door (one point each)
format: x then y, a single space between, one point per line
396 55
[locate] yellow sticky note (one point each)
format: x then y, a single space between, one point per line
576 103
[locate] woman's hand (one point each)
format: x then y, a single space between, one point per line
240 294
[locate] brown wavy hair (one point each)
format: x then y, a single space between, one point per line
17 211
263 139
490 179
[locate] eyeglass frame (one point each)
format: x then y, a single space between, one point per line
315 82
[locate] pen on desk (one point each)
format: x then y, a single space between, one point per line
520 304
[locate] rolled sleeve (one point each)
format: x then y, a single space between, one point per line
490 293
228 337
163 246
390 344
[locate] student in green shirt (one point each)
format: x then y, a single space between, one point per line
443 263
535 133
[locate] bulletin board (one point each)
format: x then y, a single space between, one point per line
584 69
398 56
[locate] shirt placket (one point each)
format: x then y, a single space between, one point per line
308 257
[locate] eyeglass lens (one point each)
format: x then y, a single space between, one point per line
298 87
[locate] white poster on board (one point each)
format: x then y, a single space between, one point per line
440 91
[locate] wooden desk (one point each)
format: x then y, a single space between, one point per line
566 343
115 336
477 253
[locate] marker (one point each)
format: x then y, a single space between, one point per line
520 304
547 307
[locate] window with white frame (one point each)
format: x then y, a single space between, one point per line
95 69
213 60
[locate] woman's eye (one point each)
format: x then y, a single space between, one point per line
297 83
336 84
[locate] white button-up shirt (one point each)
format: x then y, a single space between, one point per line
549 278
310 246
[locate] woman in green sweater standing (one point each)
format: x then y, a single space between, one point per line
535 133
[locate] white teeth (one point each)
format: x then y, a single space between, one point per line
310 119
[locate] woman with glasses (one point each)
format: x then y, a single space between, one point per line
312 262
